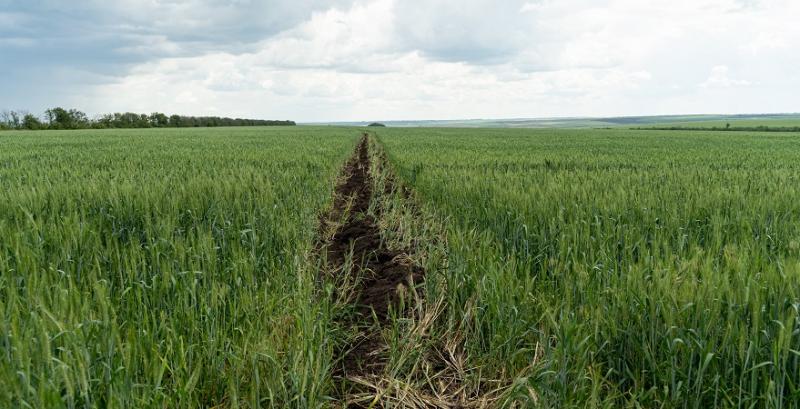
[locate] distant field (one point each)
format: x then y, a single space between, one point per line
608 122
710 120
562 268
735 123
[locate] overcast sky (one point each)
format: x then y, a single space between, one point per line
401 59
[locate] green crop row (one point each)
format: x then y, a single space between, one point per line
617 268
164 268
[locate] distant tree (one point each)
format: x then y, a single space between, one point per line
60 118
56 117
79 119
175 121
104 121
378 124
5 119
11 119
143 122
31 122
128 120
158 120
16 119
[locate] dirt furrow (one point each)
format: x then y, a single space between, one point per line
356 256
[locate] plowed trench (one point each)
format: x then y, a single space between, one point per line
380 275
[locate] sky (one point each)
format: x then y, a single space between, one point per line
349 60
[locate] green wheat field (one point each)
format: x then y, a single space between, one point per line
175 268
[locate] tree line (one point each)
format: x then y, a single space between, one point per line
60 118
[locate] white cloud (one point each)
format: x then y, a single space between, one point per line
720 77
392 59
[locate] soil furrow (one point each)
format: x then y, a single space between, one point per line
357 254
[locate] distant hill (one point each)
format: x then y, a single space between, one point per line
613 122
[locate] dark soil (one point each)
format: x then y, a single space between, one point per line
381 275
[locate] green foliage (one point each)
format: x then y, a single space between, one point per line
618 268
164 268
31 122
377 124
60 118
159 120
10 119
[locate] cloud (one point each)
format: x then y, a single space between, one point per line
109 38
347 40
478 31
393 59
720 77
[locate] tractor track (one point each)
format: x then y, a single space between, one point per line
378 277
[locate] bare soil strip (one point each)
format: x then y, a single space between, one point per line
356 254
